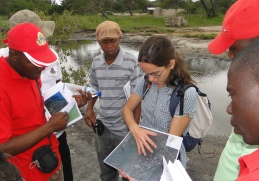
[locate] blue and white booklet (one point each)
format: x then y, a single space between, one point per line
59 99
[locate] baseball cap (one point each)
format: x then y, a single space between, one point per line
28 38
47 27
240 22
108 29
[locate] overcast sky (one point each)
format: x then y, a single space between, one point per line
58 1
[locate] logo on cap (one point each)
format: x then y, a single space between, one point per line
41 39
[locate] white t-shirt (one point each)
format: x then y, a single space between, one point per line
50 75
4 52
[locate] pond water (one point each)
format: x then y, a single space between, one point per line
210 75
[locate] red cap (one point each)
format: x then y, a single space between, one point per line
28 38
241 22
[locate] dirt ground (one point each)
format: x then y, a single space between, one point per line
201 167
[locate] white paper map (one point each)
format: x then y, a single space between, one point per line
143 168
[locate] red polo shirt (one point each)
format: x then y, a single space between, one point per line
21 112
249 167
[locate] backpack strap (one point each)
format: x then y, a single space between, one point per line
180 93
178 96
175 98
198 91
146 86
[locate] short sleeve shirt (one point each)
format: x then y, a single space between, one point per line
228 166
110 80
21 112
155 109
155 105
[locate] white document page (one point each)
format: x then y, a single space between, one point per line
174 172
126 89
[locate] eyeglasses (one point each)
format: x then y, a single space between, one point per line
156 75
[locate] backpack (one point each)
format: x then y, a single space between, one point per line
202 120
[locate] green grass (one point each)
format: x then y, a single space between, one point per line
136 24
198 20
3 20
4 23
133 24
4 26
145 23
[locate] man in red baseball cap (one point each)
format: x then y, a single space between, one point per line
25 135
29 39
49 77
240 28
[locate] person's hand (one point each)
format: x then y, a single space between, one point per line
90 117
125 176
83 98
58 121
142 139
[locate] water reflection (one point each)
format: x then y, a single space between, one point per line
211 78
87 52
210 75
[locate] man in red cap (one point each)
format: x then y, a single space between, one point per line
49 77
25 135
240 28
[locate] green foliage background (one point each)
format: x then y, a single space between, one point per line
93 7
81 15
